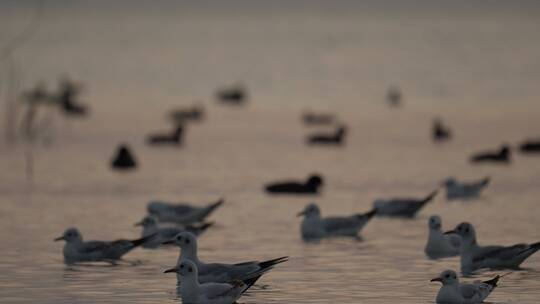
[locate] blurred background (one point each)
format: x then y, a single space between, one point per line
474 64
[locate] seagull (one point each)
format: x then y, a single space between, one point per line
453 292
76 250
182 213
474 256
174 138
501 156
311 186
233 95
456 190
336 138
163 234
315 227
401 207
193 292
440 132
441 245
217 272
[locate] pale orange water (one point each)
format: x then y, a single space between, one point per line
476 67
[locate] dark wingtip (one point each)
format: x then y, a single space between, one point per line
431 195
270 263
369 214
143 240
493 282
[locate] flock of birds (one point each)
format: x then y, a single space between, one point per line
180 224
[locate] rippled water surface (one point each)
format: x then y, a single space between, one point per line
476 67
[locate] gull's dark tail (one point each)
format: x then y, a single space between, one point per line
485 181
493 282
199 229
271 263
532 249
368 215
210 208
142 240
428 198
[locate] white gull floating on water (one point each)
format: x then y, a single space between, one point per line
315 227
440 245
193 292
181 213
218 272
456 190
454 292
474 256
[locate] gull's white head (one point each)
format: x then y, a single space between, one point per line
186 269
310 210
434 222
147 221
466 231
447 277
70 235
185 240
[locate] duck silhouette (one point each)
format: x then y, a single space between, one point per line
530 146
123 159
233 95
175 138
501 156
311 186
337 138
440 132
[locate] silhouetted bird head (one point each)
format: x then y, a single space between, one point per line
315 181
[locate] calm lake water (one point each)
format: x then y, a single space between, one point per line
476 66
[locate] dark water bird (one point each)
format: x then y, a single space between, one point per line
315 227
311 118
402 207
454 292
337 138
175 138
530 146
191 291
220 272
181 115
67 97
76 250
311 186
439 131
123 159
181 213
166 233
475 256
394 96
501 156
233 95
456 190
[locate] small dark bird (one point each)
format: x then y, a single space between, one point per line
167 139
439 131
181 115
530 146
311 118
501 156
337 138
234 95
123 159
311 186
394 96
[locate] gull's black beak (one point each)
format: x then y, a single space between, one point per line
301 213
171 270
60 238
137 224
451 232
436 280
170 242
